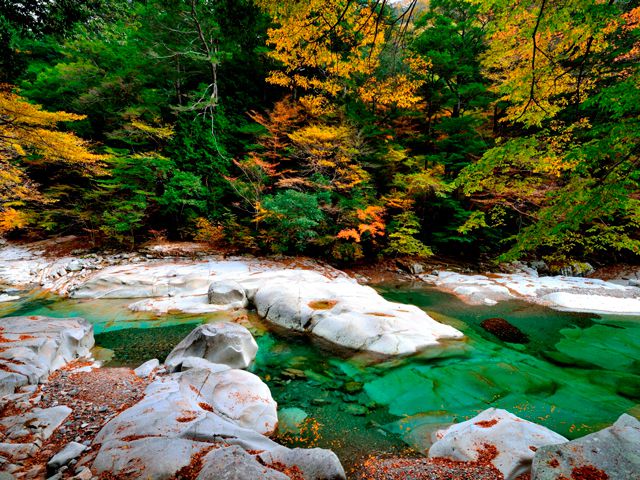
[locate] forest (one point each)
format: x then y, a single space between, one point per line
348 130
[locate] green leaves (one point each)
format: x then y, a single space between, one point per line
292 219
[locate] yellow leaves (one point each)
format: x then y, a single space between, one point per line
16 111
12 219
330 150
28 135
163 132
398 91
27 129
316 105
322 43
536 52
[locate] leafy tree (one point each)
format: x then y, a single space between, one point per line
30 141
292 220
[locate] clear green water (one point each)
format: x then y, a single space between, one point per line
577 374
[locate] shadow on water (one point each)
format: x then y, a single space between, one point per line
575 373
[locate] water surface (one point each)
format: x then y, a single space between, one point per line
576 374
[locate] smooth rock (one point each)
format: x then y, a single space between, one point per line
39 422
237 395
69 452
144 370
157 458
182 415
514 439
345 313
559 292
233 463
612 453
315 463
187 363
291 419
34 346
227 292
75 265
223 343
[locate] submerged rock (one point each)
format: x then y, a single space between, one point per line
612 453
504 330
32 347
511 442
291 419
225 343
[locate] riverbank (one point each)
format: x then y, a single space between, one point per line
178 279
183 271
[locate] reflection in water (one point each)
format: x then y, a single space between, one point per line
575 373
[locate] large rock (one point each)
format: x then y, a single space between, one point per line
612 453
313 463
559 292
32 347
233 463
38 423
186 415
70 451
507 441
344 313
228 293
156 279
327 305
144 370
224 343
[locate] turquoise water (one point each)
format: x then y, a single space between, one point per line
576 374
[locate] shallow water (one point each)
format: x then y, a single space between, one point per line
576 374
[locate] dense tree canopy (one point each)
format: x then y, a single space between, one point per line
338 128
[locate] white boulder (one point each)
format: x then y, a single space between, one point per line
192 413
509 440
32 347
144 370
347 314
223 342
228 293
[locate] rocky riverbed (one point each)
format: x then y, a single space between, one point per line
65 417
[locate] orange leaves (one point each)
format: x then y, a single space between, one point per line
372 224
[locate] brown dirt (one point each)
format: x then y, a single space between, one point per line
487 423
95 397
425 469
588 472
322 304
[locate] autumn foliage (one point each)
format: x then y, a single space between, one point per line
334 128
